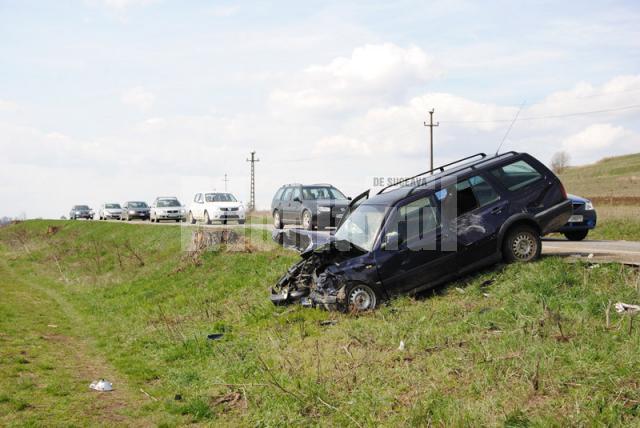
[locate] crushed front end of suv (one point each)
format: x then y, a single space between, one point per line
425 231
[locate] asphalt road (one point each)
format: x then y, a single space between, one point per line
594 251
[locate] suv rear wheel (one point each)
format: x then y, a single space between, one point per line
576 235
522 244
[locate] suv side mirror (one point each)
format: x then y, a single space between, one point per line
297 199
391 241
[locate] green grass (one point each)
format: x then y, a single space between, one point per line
530 349
617 222
616 176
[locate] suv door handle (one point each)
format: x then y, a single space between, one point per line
497 210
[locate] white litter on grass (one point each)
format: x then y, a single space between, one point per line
401 347
623 308
101 385
590 256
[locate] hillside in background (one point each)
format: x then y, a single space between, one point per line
614 180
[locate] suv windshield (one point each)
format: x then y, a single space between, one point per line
137 205
112 206
168 203
220 197
81 207
362 226
321 192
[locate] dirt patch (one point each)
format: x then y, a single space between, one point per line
615 200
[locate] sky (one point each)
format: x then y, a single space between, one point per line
115 100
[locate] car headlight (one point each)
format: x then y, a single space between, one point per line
132 212
324 209
588 206
183 211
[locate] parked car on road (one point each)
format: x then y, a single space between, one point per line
81 211
210 207
135 209
582 220
431 229
166 208
110 210
313 206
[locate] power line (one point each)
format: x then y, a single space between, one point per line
553 116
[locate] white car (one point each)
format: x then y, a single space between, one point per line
166 208
110 211
210 207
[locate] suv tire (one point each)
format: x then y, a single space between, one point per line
190 218
576 235
277 220
207 219
306 220
522 244
360 297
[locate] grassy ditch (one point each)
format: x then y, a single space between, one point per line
516 345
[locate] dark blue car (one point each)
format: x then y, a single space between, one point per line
429 229
582 220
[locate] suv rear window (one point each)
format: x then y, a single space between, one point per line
516 175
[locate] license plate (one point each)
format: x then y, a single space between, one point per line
575 219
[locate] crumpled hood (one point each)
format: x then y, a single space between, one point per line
301 240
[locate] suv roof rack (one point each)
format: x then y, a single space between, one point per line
483 159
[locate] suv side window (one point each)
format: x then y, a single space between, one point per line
472 193
279 194
287 194
297 193
417 218
516 175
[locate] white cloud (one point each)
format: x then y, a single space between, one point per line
120 5
341 145
8 106
600 140
373 74
139 98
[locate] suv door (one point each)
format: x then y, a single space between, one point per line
294 206
198 210
473 212
418 260
283 204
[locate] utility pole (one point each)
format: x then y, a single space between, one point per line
252 200
431 125
225 182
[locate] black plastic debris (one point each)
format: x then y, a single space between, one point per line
328 322
215 336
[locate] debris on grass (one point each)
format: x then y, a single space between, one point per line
101 385
328 322
624 308
401 347
215 336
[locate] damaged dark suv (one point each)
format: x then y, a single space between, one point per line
426 230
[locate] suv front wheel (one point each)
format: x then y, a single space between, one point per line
277 220
307 221
360 298
522 244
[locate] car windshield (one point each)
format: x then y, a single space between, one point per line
112 206
362 226
168 203
137 205
321 192
220 197
81 207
